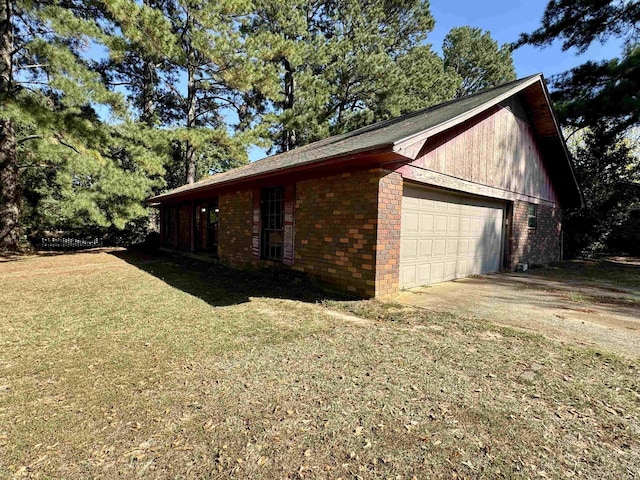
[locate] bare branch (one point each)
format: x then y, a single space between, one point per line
27 138
62 142
23 67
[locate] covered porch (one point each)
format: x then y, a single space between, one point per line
190 225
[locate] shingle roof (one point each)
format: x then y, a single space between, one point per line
377 135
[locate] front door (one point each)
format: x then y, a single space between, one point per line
206 217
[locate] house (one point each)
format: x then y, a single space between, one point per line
471 186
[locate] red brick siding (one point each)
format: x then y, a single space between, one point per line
335 222
347 231
388 238
234 234
534 246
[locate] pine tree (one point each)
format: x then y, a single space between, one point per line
608 171
335 65
42 72
476 57
216 68
595 91
62 165
600 103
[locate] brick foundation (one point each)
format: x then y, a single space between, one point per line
534 246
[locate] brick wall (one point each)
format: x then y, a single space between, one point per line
534 246
388 237
234 234
335 221
347 231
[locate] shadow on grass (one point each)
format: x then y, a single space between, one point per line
222 286
28 255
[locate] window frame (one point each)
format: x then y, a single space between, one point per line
272 223
532 216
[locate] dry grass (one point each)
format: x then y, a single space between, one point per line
114 368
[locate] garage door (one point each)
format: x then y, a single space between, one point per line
446 236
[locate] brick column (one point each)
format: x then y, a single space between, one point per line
388 234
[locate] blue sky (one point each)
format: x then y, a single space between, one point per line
506 19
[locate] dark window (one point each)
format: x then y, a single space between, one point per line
532 216
169 224
272 215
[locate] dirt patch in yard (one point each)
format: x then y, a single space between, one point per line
566 302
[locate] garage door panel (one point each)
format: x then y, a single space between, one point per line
437 272
408 249
407 274
411 221
440 224
425 248
423 274
455 236
439 246
426 223
452 246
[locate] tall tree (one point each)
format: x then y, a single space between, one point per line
600 102
62 165
140 58
334 62
42 72
215 68
478 59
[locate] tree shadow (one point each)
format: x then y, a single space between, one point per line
219 285
18 257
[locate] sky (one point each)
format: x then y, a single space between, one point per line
506 20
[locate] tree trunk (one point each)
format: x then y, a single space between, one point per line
190 151
149 85
288 136
148 90
9 181
9 188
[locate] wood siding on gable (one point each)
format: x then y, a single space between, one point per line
498 150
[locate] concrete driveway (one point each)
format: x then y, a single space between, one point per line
582 311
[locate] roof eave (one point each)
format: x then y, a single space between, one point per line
565 149
380 150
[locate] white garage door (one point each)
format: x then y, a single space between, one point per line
446 236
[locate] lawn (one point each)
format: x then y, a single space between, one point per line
121 365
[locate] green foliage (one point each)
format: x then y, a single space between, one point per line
600 102
595 91
77 172
579 23
216 152
477 59
608 170
96 181
601 93
337 65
